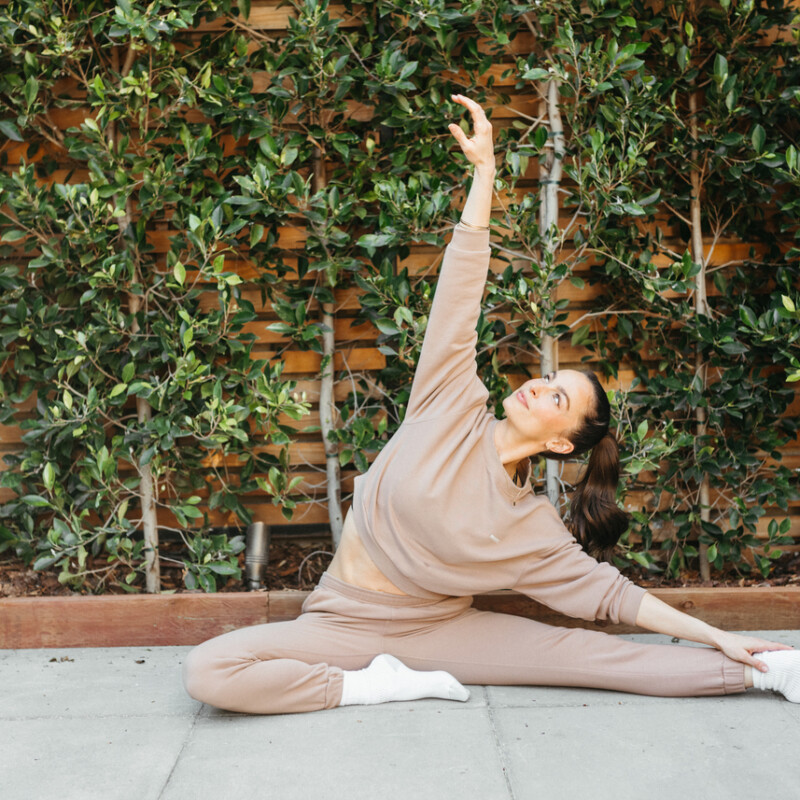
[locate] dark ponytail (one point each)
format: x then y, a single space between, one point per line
595 519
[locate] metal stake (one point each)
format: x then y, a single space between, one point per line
256 555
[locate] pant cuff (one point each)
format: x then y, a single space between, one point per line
732 676
333 691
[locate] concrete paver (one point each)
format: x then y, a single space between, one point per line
352 753
94 682
116 724
692 750
95 758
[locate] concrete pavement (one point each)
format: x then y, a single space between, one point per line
116 724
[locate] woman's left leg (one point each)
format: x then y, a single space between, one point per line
482 647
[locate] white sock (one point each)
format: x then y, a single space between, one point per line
387 679
783 675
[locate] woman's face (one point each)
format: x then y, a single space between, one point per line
547 409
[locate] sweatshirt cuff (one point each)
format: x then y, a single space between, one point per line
631 600
467 239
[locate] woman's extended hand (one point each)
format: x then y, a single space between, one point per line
480 148
741 648
656 615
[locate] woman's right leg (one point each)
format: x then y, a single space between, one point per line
484 647
286 667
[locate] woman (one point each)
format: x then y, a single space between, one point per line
446 511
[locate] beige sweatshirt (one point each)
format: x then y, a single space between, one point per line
438 513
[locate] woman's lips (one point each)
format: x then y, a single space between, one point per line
521 397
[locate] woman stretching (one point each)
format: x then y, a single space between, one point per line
446 511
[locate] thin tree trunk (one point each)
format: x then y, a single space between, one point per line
700 307
550 177
327 410
144 410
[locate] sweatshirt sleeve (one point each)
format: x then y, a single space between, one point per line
567 579
446 376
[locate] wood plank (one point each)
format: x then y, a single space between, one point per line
122 620
286 605
190 618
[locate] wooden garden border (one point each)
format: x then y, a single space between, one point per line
189 618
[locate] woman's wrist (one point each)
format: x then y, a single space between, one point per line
487 171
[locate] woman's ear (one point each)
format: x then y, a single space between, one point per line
561 446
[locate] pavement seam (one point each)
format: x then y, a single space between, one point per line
501 754
180 752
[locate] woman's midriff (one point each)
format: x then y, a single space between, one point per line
352 563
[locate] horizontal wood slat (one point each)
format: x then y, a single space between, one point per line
188 619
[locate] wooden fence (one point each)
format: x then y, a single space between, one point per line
356 344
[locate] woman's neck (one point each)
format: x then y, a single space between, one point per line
510 447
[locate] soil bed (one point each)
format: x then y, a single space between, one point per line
299 565
292 565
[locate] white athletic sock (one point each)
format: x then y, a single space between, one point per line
387 679
783 675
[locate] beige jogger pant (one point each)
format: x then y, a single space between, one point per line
285 667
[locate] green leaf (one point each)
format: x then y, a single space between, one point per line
191 512
244 8
256 234
179 273
759 138
43 562
49 476
10 130
720 68
387 326
408 70
118 389
580 335
712 552
31 91
788 303
13 236
747 316
641 430
35 500
223 568
535 74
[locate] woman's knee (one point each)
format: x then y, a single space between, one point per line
201 674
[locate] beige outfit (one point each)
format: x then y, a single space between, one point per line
439 516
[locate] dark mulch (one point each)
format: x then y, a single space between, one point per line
299 564
292 565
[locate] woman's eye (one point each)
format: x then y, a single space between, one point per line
558 399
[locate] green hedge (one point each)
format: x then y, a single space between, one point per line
136 379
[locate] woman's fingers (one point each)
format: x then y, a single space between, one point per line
479 149
461 137
478 114
741 648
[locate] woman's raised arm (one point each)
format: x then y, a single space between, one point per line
446 378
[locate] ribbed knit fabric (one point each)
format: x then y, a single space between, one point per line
387 680
783 675
438 513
